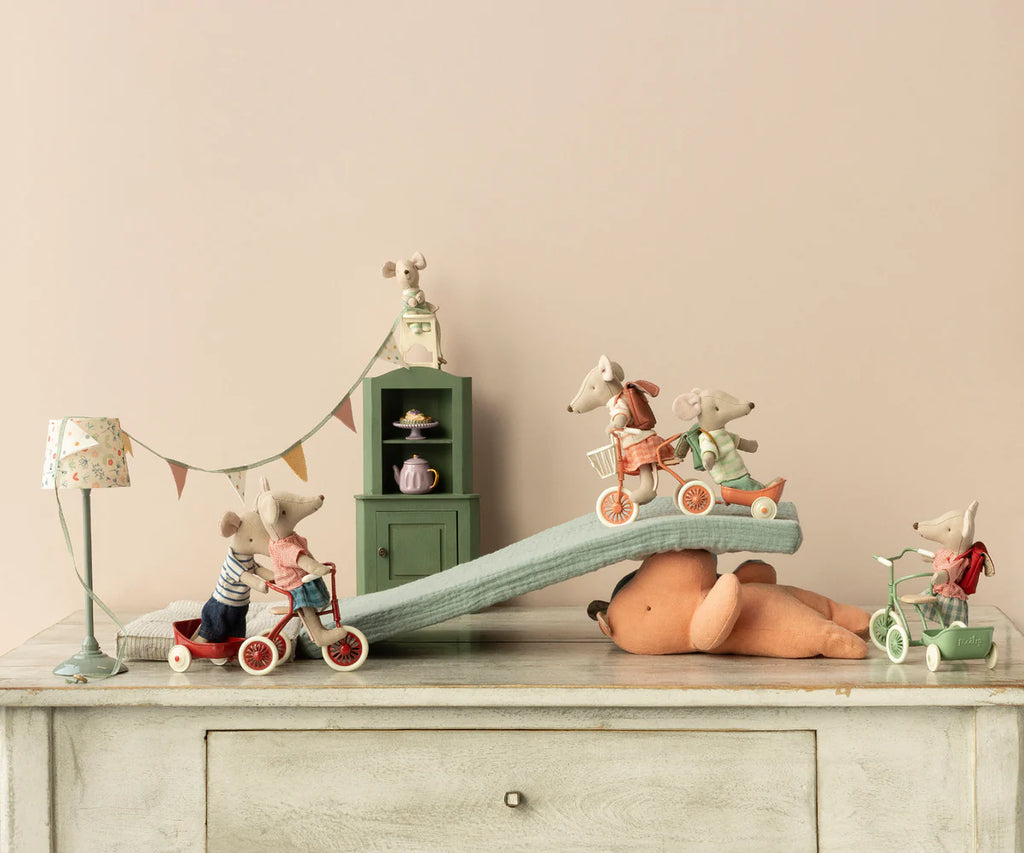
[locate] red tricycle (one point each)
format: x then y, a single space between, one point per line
261 654
616 506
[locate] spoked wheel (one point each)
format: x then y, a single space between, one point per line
179 658
764 508
695 498
285 647
616 506
348 653
897 643
258 656
879 626
932 656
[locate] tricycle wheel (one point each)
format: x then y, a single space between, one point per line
878 627
349 652
897 643
218 661
616 506
258 656
932 656
764 508
992 657
285 647
957 624
179 658
695 498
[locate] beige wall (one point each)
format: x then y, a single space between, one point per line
816 206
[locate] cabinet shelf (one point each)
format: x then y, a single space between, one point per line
421 442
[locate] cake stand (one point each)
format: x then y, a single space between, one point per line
414 429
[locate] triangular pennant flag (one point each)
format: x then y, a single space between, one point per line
75 439
237 480
344 413
296 460
180 472
127 443
389 350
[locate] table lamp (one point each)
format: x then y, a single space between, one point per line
86 454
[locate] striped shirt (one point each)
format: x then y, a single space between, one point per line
230 590
728 462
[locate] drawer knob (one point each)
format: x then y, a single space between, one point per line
513 799
382 552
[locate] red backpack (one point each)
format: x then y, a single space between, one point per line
635 394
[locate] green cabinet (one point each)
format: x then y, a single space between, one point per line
402 537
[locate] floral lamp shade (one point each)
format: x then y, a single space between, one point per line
85 453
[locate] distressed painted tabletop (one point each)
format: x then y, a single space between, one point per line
542 657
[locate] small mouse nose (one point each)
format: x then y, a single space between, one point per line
751 407
915 525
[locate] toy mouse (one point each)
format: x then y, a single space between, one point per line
958 564
413 298
716 450
295 569
224 614
630 415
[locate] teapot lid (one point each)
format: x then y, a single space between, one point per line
415 460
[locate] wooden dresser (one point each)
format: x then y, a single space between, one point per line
515 729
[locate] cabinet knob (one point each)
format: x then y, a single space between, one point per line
382 552
513 799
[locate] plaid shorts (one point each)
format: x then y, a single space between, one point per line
312 594
946 611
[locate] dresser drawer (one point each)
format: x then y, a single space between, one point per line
446 790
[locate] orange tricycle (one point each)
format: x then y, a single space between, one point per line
615 505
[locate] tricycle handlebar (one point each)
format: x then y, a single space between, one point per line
888 561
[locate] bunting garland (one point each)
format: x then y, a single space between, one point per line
294 454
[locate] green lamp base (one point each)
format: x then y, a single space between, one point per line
91 664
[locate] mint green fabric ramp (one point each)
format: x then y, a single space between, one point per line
562 552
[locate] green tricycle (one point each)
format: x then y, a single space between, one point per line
890 630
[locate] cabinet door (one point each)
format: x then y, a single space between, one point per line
415 544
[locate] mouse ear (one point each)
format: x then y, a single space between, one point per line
605 366
264 484
389 269
268 509
967 533
229 524
687 406
418 261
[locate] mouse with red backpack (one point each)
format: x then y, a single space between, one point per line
631 419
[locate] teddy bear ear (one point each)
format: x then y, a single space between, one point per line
687 406
230 524
418 261
389 269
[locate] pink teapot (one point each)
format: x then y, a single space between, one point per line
414 476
